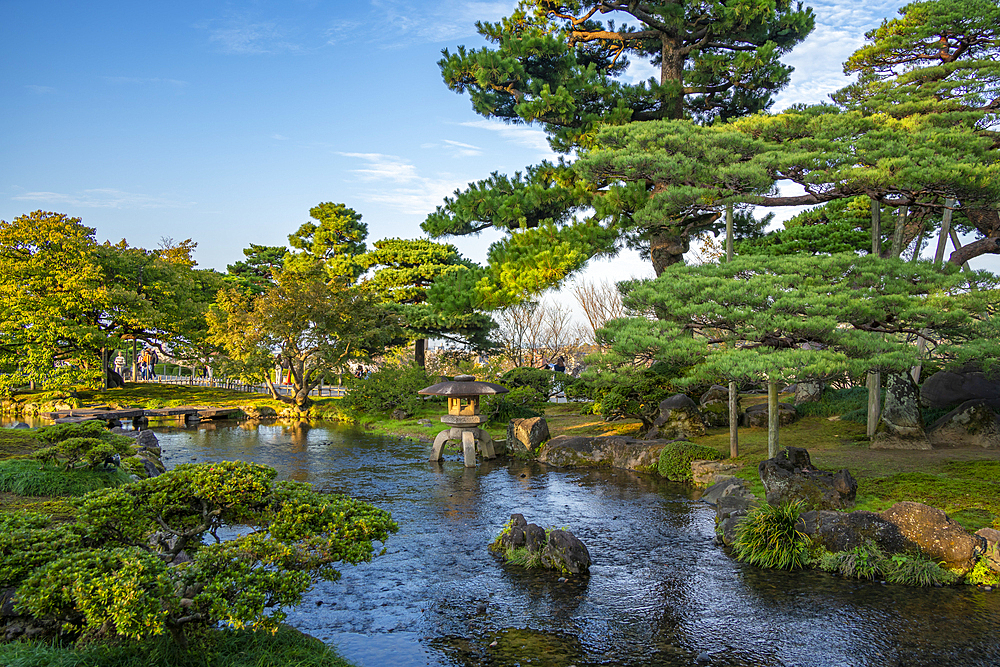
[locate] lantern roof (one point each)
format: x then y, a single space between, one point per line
463 385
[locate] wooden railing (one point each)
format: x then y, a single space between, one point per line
223 383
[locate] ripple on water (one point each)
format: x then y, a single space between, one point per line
660 591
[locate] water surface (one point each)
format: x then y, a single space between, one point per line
660 591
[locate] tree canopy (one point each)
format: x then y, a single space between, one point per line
802 317
63 297
564 65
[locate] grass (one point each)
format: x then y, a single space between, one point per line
224 648
26 477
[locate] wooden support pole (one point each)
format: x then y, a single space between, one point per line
876 228
874 401
734 419
729 233
772 418
949 208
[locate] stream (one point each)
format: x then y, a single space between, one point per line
660 591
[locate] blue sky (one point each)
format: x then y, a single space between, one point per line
225 122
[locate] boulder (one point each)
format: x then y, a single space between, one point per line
714 406
614 451
939 537
679 418
808 392
399 414
973 423
947 388
790 476
756 415
20 425
704 473
732 501
842 531
992 550
566 553
900 425
515 537
529 433
152 465
147 440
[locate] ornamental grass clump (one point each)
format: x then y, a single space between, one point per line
768 537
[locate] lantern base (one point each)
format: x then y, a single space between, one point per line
470 438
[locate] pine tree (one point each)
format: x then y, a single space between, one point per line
801 317
405 269
562 65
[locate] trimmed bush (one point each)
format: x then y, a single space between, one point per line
767 537
388 388
518 403
676 457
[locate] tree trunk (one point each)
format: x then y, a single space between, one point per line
772 419
420 352
734 418
667 248
672 70
958 246
104 368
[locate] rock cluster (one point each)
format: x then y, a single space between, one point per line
906 527
560 549
790 476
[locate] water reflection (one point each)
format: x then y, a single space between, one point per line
660 591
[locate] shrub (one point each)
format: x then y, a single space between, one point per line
540 379
982 575
768 537
87 442
103 575
518 403
862 562
676 457
388 388
836 402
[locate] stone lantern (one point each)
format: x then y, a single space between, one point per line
463 416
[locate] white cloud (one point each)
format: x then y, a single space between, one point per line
279 137
524 135
102 198
422 199
414 194
239 34
384 167
458 149
439 21
40 90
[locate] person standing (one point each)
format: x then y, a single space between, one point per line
120 363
